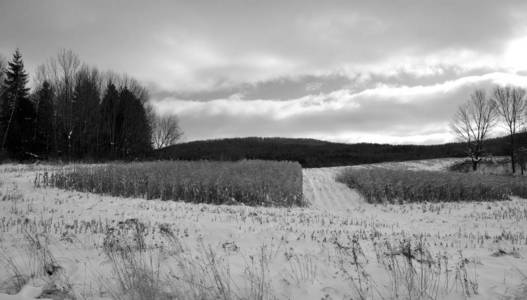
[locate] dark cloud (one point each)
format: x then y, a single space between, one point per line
283 88
286 88
201 44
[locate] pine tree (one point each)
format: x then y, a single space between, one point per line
108 122
134 134
17 118
3 64
86 100
44 121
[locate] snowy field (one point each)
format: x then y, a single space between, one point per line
64 244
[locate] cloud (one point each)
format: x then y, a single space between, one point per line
397 114
200 45
337 69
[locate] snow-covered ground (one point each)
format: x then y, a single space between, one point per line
338 248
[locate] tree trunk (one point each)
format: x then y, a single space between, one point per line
474 165
4 139
513 160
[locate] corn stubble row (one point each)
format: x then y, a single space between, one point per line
380 185
251 182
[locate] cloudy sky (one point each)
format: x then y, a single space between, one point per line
351 71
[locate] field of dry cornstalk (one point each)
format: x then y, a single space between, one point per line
251 182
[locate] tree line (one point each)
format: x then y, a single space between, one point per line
77 112
308 152
475 119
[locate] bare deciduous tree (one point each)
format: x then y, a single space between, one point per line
66 65
165 131
60 72
511 106
472 123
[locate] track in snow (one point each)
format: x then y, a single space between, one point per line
322 191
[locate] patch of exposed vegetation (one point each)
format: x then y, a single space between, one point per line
254 182
379 185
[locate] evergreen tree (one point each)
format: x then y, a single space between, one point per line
3 64
108 122
132 126
86 100
44 144
17 118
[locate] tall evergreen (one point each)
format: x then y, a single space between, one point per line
86 100
3 64
108 122
17 119
44 142
133 131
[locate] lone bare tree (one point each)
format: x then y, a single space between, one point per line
511 105
472 123
165 131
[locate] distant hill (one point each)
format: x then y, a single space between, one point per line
316 153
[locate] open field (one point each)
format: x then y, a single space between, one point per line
89 246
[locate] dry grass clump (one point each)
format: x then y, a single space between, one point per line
415 272
352 262
175 270
252 182
301 268
33 264
380 185
135 268
412 270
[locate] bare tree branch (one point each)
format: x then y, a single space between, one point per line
511 107
165 131
472 123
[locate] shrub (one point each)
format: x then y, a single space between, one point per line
252 182
380 185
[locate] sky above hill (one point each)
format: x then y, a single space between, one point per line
347 71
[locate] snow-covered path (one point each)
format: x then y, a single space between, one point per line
323 192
